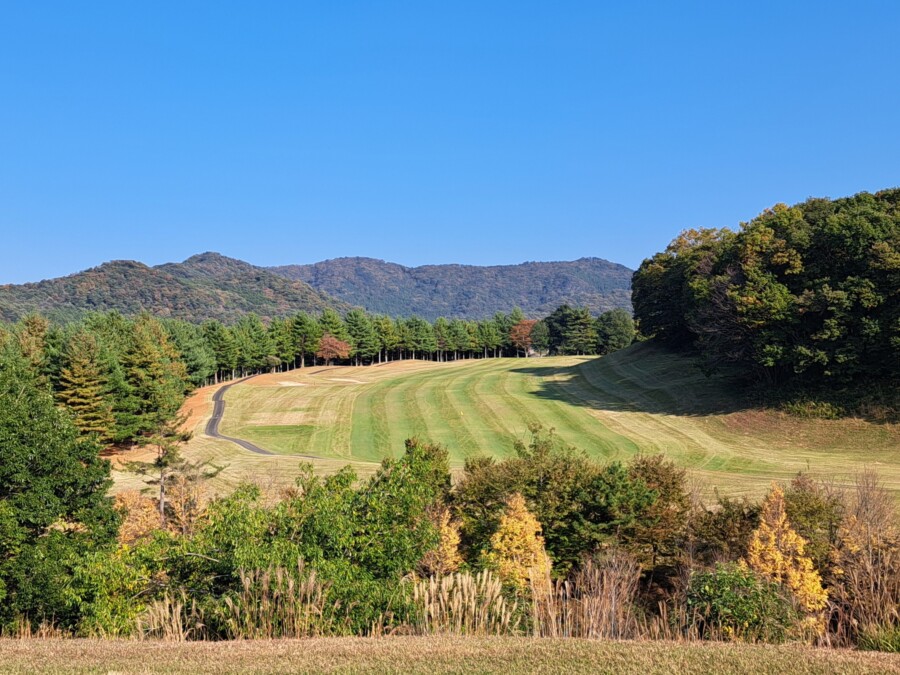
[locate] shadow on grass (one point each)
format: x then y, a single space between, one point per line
643 378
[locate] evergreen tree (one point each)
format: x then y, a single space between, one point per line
443 339
54 506
221 342
199 359
330 322
615 331
281 337
253 344
306 333
155 380
420 336
540 337
363 338
557 327
388 336
82 388
459 337
32 337
489 337
580 336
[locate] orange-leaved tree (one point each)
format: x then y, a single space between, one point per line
520 334
330 348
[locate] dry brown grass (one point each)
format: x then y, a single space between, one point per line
597 602
430 655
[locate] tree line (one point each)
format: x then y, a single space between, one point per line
801 296
124 379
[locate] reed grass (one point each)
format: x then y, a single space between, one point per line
464 604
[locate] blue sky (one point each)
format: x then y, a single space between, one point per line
419 132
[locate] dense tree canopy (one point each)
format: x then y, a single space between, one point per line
53 502
807 294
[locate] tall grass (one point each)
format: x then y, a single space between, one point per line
463 604
174 618
279 603
865 593
598 601
24 629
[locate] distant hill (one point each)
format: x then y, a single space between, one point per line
205 286
467 291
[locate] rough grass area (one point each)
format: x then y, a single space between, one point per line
431 655
642 399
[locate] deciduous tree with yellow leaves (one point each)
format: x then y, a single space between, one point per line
444 558
777 552
516 549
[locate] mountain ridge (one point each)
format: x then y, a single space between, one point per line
468 291
206 286
210 285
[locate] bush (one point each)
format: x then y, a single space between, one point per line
880 639
731 602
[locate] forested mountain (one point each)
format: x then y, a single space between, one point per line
468 291
205 286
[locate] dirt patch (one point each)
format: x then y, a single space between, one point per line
197 407
282 383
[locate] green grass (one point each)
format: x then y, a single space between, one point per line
431 655
642 399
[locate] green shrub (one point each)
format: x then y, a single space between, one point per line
880 639
731 602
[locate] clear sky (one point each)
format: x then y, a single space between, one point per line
426 132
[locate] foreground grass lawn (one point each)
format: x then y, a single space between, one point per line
431 655
642 399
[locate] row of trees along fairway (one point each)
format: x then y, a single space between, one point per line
804 297
124 379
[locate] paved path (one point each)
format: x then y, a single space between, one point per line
212 426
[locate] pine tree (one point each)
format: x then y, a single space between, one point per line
580 335
388 336
330 322
459 337
306 333
253 344
155 380
363 338
489 337
442 337
281 338
221 342
777 552
83 388
516 549
32 337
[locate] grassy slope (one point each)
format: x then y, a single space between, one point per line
431 655
639 400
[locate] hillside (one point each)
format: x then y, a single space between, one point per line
205 286
468 291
